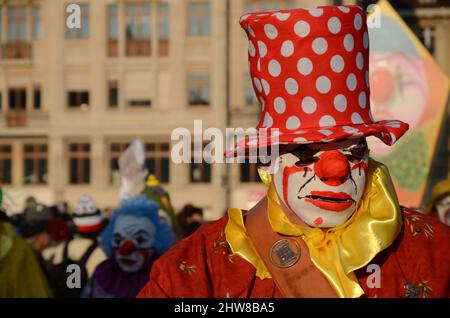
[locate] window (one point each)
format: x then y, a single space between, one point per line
139 102
113 29
249 96
36 23
157 160
199 19
79 163
138 29
5 164
163 29
83 31
17 99
17 46
113 94
37 98
35 164
249 172
116 151
17 24
200 172
199 89
17 103
78 99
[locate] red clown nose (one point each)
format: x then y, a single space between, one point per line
126 248
332 168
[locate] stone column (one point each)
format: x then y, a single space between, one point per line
121 38
219 91
55 101
17 163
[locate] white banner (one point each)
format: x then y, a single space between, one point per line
131 166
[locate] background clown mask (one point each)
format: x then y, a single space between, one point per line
443 209
133 240
322 184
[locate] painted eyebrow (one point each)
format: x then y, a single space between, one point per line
140 232
360 145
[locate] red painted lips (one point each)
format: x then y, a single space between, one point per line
330 201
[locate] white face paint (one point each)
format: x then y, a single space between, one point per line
443 209
133 240
322 184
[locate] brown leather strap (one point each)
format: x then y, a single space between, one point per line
302 279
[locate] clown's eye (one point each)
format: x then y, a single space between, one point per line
357 153
305 159
140 239
117 239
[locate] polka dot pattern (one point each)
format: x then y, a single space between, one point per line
309 69
309 105
323 84
282 16
262 49
271 31
362 100
302 28
251 49
340 103
334 25
274 68
349 42
280 105
337 63
358 22
291 86
320 46
360 61
327 121
305 66
293 123
266 87
352 82
287 49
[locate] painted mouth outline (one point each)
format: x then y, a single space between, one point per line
328 196
330 201
327 199
128 261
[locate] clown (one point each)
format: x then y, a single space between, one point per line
133 239
439 204
155 192
331 214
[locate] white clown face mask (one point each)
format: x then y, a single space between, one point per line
322 184
133 240
443 209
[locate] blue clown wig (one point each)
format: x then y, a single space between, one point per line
140 207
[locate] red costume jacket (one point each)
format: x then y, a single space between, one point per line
417 264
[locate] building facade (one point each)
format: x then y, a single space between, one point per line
73 97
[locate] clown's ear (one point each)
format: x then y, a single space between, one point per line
266 171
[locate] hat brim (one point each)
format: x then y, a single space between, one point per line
388 131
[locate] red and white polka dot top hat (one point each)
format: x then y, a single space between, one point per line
310 72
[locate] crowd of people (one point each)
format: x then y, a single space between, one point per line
80 252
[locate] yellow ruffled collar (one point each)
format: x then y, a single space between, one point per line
339 251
